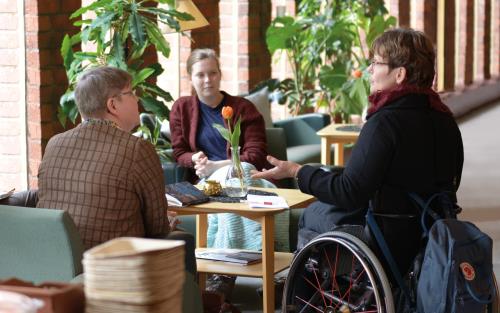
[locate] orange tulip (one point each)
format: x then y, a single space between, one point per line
227 112
357 73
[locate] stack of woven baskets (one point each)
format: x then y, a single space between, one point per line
134 275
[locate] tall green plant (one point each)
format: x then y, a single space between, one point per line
121 32
324 43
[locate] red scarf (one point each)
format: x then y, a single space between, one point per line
384 97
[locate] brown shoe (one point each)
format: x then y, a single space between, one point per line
222 284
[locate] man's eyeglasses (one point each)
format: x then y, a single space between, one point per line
131 92
373 63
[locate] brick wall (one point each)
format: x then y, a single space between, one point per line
237 33
206 37
12 143
46 23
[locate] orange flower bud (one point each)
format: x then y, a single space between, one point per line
357 73
227 112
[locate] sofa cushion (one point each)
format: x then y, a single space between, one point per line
299 133
304 153
261 101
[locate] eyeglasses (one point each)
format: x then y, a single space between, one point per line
131 92
373 63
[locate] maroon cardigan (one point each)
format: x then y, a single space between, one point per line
184 123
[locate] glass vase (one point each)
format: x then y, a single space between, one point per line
235 178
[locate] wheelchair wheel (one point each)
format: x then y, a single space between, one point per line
337 273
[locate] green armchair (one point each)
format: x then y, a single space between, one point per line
40 245
302 142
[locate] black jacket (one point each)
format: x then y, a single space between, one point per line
404 146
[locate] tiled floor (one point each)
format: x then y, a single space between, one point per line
479 193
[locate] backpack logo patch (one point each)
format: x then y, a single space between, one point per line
468 271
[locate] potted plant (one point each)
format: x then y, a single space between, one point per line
326 44
121 32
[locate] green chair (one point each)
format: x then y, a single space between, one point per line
39 245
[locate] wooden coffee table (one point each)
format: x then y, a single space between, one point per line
332 135
272 262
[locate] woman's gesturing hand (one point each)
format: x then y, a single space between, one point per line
281 169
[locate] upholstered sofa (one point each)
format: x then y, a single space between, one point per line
302 142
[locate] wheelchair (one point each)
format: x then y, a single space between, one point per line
337 272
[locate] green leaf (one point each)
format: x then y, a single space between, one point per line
223 131
89 56
359 95
156 91
154 106
136 27
67 108
141 76
235 139
103 21
138 52
332 78
280 33
144 131
158 69
92 7
157 38
117 48
67 52
82 22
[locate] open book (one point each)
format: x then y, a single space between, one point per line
230 255
184 194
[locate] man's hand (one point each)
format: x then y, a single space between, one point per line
173 220
281 169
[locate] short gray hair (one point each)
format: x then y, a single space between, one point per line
96 86
198 55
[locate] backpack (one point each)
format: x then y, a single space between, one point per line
454 270
456 274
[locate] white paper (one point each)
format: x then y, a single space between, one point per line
256 201
172 201
6 194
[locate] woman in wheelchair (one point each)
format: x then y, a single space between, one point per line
410 142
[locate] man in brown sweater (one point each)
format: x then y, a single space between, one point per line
110 182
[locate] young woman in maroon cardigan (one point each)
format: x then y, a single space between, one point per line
199 146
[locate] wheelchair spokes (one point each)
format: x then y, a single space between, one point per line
328 277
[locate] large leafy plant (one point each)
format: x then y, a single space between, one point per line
326 44
120 33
